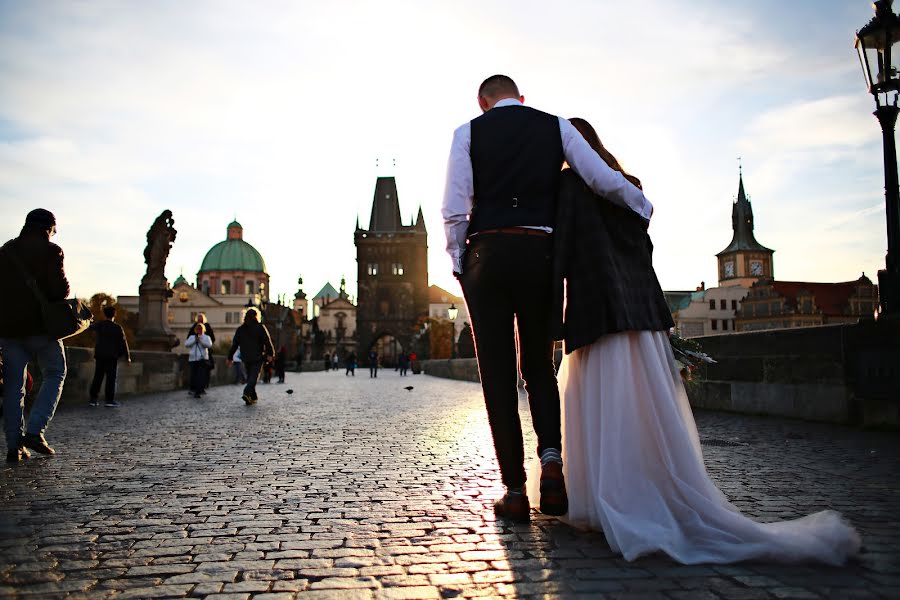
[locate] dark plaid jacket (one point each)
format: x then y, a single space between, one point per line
603 262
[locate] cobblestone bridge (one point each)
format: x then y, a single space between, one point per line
357 487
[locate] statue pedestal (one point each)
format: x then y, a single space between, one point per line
153 320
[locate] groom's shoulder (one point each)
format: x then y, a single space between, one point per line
515 113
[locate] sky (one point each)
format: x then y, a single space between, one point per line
283 113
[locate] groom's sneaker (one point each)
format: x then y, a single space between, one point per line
554 501
514 506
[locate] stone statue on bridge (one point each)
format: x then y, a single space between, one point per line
159 241
153 331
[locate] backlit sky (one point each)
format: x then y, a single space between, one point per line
275 113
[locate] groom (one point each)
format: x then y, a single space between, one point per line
499 209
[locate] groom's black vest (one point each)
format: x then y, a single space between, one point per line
516 160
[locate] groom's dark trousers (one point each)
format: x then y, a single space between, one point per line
507 282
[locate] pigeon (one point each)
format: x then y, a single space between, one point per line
289 391
408 388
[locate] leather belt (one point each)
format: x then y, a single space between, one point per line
514 231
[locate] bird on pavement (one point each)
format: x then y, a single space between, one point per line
289 391
408 388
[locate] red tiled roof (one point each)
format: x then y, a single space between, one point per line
830 298
437 295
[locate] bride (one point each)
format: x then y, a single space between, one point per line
631 451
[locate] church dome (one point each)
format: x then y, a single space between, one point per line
233 254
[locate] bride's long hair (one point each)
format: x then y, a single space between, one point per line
589 134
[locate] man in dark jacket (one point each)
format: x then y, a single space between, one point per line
253 339
24 336
109 348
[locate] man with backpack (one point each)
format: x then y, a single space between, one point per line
24 336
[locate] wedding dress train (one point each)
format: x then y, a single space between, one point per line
634 467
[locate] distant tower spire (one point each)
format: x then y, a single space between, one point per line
742 222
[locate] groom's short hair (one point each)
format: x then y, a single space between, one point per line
498 85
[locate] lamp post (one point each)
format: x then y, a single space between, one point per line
881 68
452 313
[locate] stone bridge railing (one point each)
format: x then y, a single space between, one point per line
848 374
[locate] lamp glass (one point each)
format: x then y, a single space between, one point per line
878 55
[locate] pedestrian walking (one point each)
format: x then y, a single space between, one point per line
334 361
280 361
240 376
327 360
252 338
373 364
110 345
350 362
24 336
403 362
198 359
201 318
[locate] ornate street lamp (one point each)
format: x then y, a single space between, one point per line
875 44
452 312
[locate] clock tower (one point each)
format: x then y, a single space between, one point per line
745 260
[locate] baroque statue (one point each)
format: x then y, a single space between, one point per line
159 241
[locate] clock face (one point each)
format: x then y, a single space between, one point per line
729 269
756 268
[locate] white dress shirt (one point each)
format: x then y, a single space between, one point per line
459 191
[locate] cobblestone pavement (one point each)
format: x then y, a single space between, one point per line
358 488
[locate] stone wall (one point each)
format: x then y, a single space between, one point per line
837 373
148 372
464 369
847 374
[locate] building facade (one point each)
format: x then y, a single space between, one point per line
336 321
392 277
440 301
709 311
774 304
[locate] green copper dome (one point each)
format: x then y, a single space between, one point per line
234 254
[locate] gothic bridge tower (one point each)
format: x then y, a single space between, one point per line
392 277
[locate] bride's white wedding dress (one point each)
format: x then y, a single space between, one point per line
634 468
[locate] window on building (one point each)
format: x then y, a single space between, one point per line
397 269
206 286
228 318
373 269
712 305
724 324
734 305
723 304
248 287
715 324
226 287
